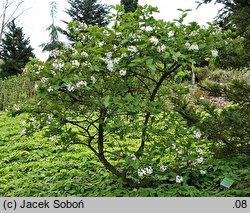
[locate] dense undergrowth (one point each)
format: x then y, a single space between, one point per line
39 167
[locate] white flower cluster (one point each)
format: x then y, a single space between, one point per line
123 72
154 40
162 128
43 80
110 62
55 53
101 43
93 79
75 63
163 168
192 47
23 132
214 53
17 108
161 48
203 172
179 179
50 89
200 159
52 138
132 49
197 134
70 87
57 65
84 54
145 171
81 83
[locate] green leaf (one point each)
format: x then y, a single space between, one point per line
151 65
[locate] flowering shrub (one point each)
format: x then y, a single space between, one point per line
107 91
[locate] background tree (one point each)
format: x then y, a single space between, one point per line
15 51
89 12
54 30
235 15
10 9
129 5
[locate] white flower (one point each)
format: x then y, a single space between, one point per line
163 168
81 83
57 65
197 134
132 49
70 88
179 179
199 150
55 53
174 146
43 80
203 172
93 79
110 65
154 40
17 108
187 44
101 43
214 53
53 72
124 55
162 128
52 138
149 28
123 72
194 47
133 157
23 122
50 89
36 86
117 60
171 33
145 171
84 54
207 59
75 63
199 159
132 35
109 55
83 38
141 172
161 48
24 132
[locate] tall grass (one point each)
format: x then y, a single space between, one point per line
14 89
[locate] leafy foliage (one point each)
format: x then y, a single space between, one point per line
35 166
107 91
15 51
14 90
227 124
235 16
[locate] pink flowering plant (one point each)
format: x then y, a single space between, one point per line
107 91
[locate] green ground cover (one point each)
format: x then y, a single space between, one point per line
36 166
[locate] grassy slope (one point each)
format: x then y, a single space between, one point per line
38 167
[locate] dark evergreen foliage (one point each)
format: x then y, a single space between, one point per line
15 51
235 15
129 5
90 12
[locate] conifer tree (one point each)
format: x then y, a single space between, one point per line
54 30
129 5
15 51
90 12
